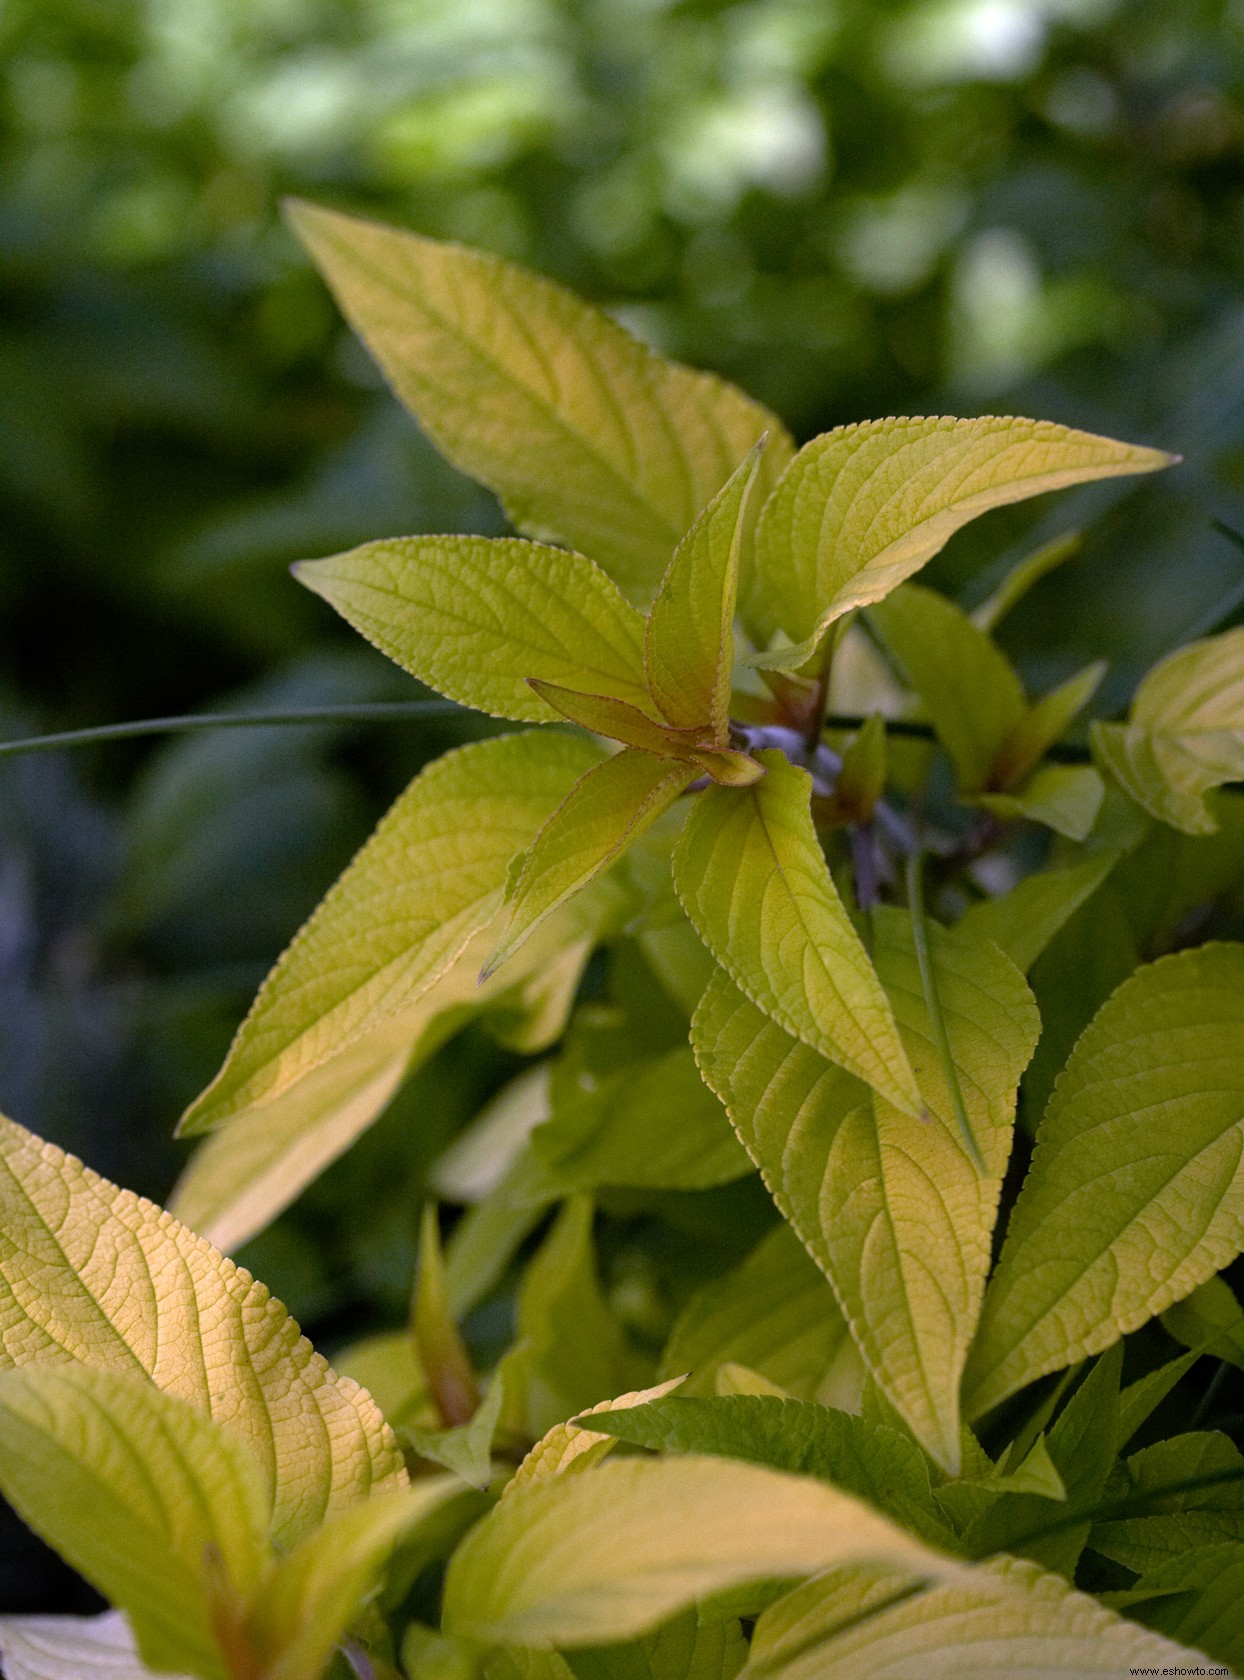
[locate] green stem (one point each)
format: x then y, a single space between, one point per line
941 1038
368 712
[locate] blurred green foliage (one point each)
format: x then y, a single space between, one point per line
851 207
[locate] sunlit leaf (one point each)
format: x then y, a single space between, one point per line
689 648
753 879
1184 735
1134 1195
586 435
475 617
863 507
586 1560
431 875
161 1509
94 1273
1004 1618
72 1648
609 807
571 1448
892 1209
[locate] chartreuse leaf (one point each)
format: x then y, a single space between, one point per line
431 875
608 1556
162 1510
1116 1221
967 685
94 1273
265 1154
475 617
753 879
880 1465
571 1448
685 1649
312 1595
1168 1525
1209 1320
775 1314
1002 1618
652 1124
689 645
894 1211
1022 576
1184 735
863 507
442 1353
1023 921
586 435
609 807
634 727
71 1648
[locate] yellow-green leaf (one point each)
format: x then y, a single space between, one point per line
431 875
892 1209
1044 722
314 1593
618 719
570 1448
587 437
689 649
94 1273
968 687
1135 1194
863 507
587 1560
1002 1618
608 808
157 1506
1185 733
753 879
474 617
265 1154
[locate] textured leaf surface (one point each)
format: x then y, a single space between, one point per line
314 1593
145 1496
609 807
1171 1524
431 875
775 1314
586 435
1004 1618
968 687
880 1465
1198 1598
1185 734
892 1209
94 1273
1134 1196
574 1447
71 1648
585 1560
689 647
863 507
753 879
475 617
1023 921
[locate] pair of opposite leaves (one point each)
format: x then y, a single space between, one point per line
591 439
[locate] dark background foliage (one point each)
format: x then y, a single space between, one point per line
853 207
